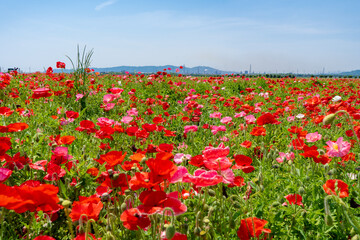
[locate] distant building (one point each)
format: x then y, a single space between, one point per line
246 72
14 69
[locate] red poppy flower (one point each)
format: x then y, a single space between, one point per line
161 169
164 147
266 118
5 111
118 181
252 227
197 161
60 65
131 131
5 144
30 196
86 236
133 219
336 187
244 163
90 206
17 127
246 144
298 144
111 158
310 152
238 182
294 199
54 172
17 160
141 180
41 92
66 140
258 131
157 201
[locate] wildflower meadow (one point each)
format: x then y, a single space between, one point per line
172 156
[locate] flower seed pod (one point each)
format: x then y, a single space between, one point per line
170 231
329 119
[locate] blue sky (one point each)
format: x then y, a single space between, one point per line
276 35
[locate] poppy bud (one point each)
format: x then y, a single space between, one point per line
206 220
275 166
115 176
329 221
301 191
123 206
206 207
127 192
356 237
109 236
202 233
329 119
105 197
66 203
211 193
110 172
275 204
197 231
237 204
170 231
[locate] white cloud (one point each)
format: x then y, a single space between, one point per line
104 4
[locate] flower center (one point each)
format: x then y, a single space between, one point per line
335 146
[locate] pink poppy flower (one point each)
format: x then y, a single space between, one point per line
226 120
339 148
108 106
179 174
105 122
192 128
216 129
179 157
132 112
127 119
78 97
203 178
108 98
291 118
313 137
228 176
241 114
283 156
216 115
250 119
4 174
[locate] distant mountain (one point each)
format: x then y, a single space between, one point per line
352 73
154 69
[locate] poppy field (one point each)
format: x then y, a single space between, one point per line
171 156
